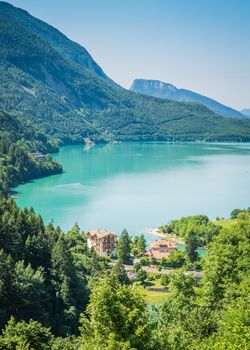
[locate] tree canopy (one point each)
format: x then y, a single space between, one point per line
50 280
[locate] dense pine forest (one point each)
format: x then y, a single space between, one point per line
57 294
21 142
26 134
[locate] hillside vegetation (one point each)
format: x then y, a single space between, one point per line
55 83
26 133
20 141
49 280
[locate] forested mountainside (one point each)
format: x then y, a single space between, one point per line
54 82
168 91
57 294
55 38
22 152
26 133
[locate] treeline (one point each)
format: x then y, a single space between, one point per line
45 278
43 272
17 166
198 226
239 213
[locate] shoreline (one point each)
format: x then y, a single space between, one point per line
157 232
96 143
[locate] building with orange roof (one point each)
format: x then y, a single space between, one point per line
161 249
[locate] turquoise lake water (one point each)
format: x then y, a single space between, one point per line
141 185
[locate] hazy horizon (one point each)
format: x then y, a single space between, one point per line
198 46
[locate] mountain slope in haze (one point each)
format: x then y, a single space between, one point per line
246 112
53 82
160 89
55 38
42 84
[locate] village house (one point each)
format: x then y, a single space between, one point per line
102 242
38 157
161 249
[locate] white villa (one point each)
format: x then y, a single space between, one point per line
102 242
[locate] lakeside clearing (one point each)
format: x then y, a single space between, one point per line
156 232
171 237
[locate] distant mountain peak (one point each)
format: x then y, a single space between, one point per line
55 83
168 91
152 85
246 112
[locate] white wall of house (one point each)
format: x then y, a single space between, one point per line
102 251
89 243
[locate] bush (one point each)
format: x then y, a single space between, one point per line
165 280
141 276
137 266
234 213
22 335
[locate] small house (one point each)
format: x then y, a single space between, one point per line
39 157
161 249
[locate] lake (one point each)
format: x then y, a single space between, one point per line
141 185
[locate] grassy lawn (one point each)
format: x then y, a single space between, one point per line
154 283
152 296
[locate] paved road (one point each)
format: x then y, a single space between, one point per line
149 269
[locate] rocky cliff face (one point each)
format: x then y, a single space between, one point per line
161 89
154 88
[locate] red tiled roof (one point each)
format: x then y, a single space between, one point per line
163 243
100 233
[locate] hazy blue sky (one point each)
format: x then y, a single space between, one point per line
202 45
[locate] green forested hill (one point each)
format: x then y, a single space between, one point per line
55 82
24 132
20 141
55 38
